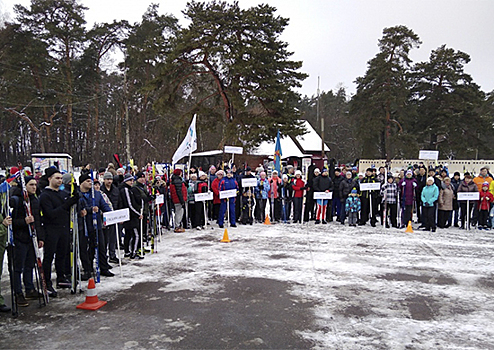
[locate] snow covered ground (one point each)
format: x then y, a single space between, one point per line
336 287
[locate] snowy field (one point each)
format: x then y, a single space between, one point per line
321 287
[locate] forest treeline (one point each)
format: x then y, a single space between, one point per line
61 91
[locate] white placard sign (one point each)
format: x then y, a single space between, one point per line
323 195
228 194
433 155
116 217
160 199
468 196
234 150
249 182
202 197
373 186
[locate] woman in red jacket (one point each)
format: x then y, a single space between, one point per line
298 186
216 193
486 198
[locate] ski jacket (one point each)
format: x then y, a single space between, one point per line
389 192
486 198
128 200
346 187
323 184
86 202
216 192
190 191
464 187
479 180
286 189
352 204
19 226
201 187
178 190
421 183
142 194
55 209
368 180
227 184
456 184
262 190
407 189
446 196
298 187
336 186
113 195
429 195
274 188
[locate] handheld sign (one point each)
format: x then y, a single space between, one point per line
323 195
116 217
160 199
468 196
373 186
432 155
234 150
249 182
228 194
202 197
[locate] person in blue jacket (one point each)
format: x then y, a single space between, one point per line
87 232
227 183
429 196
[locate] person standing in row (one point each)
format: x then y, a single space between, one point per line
430 195
178 193
298 186
128 200
55 206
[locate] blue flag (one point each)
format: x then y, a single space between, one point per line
277 153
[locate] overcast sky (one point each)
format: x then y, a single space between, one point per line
336 38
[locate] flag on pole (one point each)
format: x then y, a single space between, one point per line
188 145
277 154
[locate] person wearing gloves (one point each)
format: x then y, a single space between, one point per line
261 191
486 198
429 196
55 206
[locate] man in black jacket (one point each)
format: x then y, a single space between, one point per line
322 183
335 208
142 195
109 232
55 208
346 186
131 227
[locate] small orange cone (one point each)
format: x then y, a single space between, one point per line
409 228
267 222
92 302
225 237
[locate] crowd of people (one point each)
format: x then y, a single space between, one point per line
57 203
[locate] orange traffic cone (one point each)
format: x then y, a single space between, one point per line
409 228
267 222
92 302
225 237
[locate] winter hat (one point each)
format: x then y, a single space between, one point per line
467 175
430 178
275 172
324 170
83 178
193 175
128 177
140 174
409 172
456 173
485 184
298 172
212 167
337 170
101 170
354 191
67 179
285 177
177 172
354 168
262 173
348 173
361 174
317 171
108 176
14 170
220 172
248 168
49 171
202 173
121 170
96 181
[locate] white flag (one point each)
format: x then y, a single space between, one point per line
188 145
